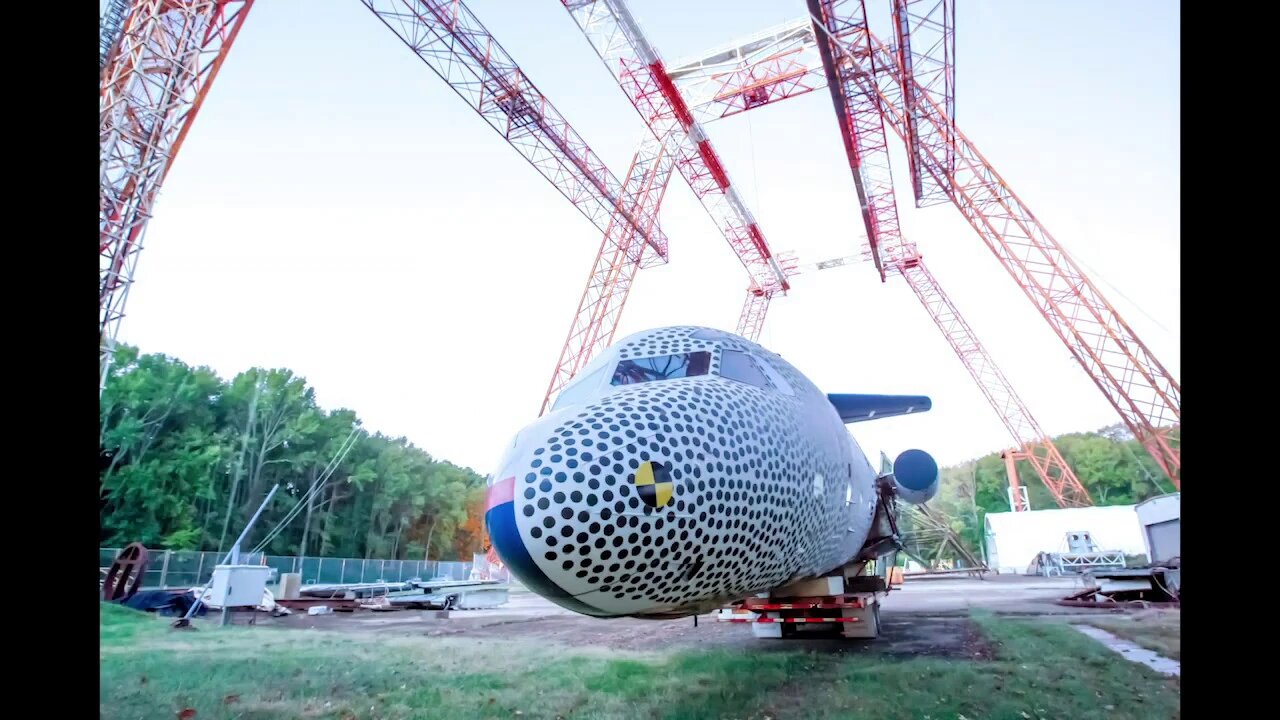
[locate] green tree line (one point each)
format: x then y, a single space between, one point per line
1110 464
187 457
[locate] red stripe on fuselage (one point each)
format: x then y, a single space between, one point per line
503 491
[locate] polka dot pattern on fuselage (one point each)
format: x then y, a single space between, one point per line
745 513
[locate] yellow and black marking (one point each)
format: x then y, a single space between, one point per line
653 482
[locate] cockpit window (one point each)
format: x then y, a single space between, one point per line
779 383
662 367
742 367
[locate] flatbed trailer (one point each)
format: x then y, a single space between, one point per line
845 603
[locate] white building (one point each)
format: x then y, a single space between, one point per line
1013 539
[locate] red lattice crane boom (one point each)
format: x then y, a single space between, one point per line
863 129
621 256
776 64
453 43
616 37
925 31
868 146
160 59
159 65
1033 444
751 321
1136 384
1132 380
446 36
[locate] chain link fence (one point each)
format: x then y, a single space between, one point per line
181 568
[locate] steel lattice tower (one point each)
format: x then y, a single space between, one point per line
157 72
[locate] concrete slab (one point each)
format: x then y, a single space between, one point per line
998 593
1132 652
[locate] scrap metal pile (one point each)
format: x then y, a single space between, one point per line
122 583
435 594
1154 586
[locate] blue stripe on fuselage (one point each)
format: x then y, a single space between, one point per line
506 538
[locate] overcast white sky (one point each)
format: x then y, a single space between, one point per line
339 211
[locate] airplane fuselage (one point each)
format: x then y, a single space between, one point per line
682 468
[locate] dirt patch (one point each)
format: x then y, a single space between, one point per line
944 635
928 619
620 633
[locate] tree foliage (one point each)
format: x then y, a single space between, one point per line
186 458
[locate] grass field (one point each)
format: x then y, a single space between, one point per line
1158 630
1040 670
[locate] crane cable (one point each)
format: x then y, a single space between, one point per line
312 491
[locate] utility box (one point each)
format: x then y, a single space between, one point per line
238 585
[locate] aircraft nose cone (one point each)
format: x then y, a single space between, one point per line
511 524
614 505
